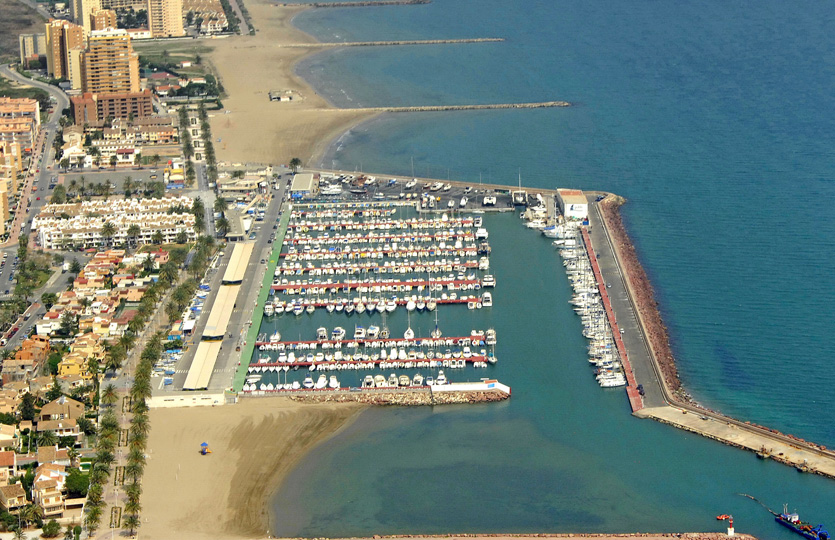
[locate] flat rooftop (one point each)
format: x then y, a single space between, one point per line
304 182
221 312
202 366
572 196
236 270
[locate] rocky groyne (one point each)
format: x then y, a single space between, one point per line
368 3
402 399
327 44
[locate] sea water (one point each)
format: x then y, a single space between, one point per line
714 120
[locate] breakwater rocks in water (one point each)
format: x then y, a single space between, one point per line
440 108
368 3
615 536
403 399
326 44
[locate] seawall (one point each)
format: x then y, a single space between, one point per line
678 408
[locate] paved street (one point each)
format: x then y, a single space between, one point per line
42 156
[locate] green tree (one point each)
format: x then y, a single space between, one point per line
51 529
295 163
86 426
47 438
220 205
109 397
59 195
30 513
131 522
77 483
113 161
75 266
69 323
222 226
155 159
133 233
157 238
107 232
27 407
48 299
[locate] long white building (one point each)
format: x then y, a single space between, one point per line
81 224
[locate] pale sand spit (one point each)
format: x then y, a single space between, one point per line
225 494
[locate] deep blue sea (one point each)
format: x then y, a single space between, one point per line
715 120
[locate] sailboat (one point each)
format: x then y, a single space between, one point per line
409 333
519 197
384 331
436 333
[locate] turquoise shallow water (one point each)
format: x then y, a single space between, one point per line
714 120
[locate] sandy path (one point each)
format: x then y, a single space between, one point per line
254 444
257 130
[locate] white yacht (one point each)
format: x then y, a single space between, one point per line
372 332
321 333
338 333
308 382
269 308
441 378
275 337
333 382
322 381
487 299
359 332
463 202
488 281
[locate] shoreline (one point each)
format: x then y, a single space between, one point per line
228 492
252 129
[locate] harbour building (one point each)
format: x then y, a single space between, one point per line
304 186
573 204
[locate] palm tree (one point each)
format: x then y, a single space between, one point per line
131 522
168 272
109 396
295 163
140 424
73 185
30 513
133 507
133 490
19 534
82 185
157 238
91 520
220 204
107 232
137 160
113 161
134 470
136 455
133 233
222 226
155 159
47 438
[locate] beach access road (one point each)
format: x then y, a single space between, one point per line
226 494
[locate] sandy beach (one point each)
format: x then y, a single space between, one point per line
254 444
256 129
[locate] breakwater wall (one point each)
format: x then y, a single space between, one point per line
323 45
682 411
590 536
404 397
368 3
441 108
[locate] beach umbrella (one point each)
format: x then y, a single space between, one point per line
205 444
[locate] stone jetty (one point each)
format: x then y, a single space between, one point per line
369 3
327 44
440 108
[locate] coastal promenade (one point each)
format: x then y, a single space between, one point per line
644 338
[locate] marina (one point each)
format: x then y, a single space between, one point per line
331 267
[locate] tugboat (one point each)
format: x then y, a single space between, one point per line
792 521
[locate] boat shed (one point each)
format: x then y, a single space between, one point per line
202 366
305 185
236 270
221 312
573 204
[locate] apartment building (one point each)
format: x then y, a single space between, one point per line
32 47
62 37
165 18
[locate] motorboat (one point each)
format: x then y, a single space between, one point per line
308 382
269 308
487 299
441 379
338 333
322 381
321 333
333 382
275 337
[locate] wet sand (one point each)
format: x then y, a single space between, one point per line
256 129
226 494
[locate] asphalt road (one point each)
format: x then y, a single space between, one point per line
43 156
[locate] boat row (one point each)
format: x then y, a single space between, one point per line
313 225
358 365
388 267
381 305
373 337
324 382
